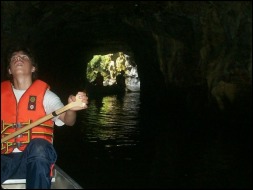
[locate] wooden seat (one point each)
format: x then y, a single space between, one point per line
19 183
15 181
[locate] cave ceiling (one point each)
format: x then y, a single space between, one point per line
84 21
177 37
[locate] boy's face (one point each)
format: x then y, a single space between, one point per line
20 63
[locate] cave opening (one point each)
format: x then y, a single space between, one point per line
113 69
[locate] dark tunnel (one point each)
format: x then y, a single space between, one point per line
195 68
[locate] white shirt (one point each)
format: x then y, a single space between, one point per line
51 103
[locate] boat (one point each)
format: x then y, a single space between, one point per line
96 90
61 180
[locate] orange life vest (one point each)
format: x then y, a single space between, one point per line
17 115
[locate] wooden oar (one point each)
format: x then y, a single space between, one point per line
78 102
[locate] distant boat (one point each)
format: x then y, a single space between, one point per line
104 90
61 180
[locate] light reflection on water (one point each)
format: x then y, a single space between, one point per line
112 120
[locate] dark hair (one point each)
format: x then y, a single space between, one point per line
27 51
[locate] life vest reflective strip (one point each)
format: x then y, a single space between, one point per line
29 109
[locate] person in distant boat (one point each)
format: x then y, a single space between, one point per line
99 79
24 100
120 80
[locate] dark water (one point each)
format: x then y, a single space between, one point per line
106 139
121 141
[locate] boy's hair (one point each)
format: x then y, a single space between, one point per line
27 51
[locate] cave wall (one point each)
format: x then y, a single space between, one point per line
204 42
180 44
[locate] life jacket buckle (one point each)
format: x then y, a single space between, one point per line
17 144
16 125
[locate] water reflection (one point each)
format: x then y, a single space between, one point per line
125 143
112 119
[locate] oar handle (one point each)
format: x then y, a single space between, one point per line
77 103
